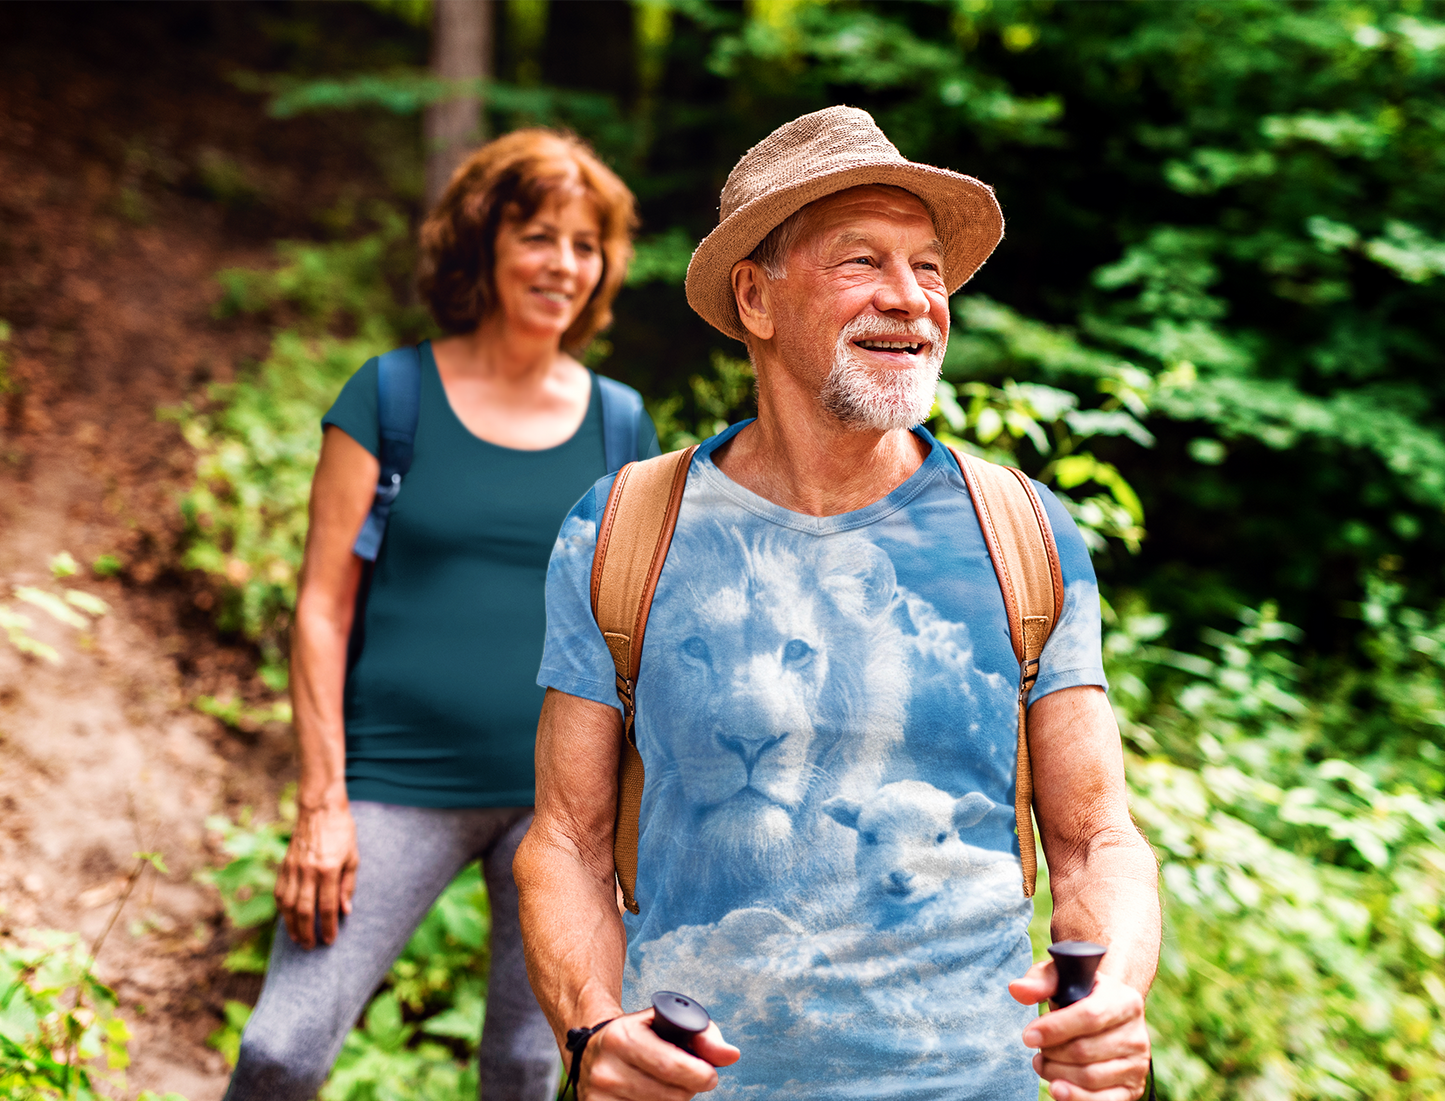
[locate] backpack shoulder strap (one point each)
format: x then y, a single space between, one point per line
621 414
632 542
398 401
1026 560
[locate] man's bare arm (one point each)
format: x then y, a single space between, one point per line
574 939
573 935
1103 875
1104 881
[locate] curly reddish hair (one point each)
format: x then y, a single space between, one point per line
509 179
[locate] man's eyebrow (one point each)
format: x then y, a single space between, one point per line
854 237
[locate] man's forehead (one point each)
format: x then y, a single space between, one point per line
857 214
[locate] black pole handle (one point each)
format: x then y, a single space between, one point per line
1076 962
677 1018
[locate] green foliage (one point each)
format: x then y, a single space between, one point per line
258 440
419 1037
1303 867
57 1022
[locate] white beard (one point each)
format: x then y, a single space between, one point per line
882 400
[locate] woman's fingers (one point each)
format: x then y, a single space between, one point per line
348 886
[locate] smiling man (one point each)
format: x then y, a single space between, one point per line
826 706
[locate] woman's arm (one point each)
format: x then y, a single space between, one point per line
318 875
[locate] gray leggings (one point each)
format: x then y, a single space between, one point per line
311 999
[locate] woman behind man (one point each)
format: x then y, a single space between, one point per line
418 758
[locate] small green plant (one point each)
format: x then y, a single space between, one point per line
57 1020
70 607
63 565
107 565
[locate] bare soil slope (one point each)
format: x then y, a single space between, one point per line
109 240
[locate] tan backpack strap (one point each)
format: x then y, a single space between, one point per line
1026 560
632 541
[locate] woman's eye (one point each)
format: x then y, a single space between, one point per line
869 838
796 652
696 649
940 839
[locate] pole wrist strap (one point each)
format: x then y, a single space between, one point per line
576 1042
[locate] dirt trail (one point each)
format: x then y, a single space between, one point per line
106 281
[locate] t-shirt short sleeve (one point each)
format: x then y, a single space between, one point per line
355 411
575 659
647 445
1073 655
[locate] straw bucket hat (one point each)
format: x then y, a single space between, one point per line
817 155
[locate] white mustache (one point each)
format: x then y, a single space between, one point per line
869 328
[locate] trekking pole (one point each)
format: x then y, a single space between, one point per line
1076 962
677 1018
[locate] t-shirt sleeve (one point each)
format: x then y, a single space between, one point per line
575 660
354 411
1073 655
647 445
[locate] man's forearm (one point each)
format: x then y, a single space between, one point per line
575 943
1111 896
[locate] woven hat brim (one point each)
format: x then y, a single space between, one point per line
965 213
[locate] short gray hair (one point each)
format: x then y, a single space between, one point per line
772 252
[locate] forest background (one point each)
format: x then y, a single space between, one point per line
1214 327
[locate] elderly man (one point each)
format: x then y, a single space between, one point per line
827 704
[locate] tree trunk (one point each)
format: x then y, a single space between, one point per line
461 50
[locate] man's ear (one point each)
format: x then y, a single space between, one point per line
750 293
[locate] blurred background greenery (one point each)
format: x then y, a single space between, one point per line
1214 327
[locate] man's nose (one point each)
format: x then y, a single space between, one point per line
901 293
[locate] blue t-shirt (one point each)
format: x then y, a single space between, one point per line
826 710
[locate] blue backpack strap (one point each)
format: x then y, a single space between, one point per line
398 400
622 415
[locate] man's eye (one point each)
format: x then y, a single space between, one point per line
940 839
696 649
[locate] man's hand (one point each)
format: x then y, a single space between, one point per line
318 876
627 1061
1094 1050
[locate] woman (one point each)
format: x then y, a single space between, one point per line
417 758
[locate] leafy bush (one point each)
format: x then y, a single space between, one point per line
1304 879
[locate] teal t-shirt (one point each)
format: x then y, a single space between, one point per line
441 708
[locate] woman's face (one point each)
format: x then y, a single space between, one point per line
548 265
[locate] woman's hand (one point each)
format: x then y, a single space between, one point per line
318 876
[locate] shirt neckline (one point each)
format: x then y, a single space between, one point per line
934 465
429 360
